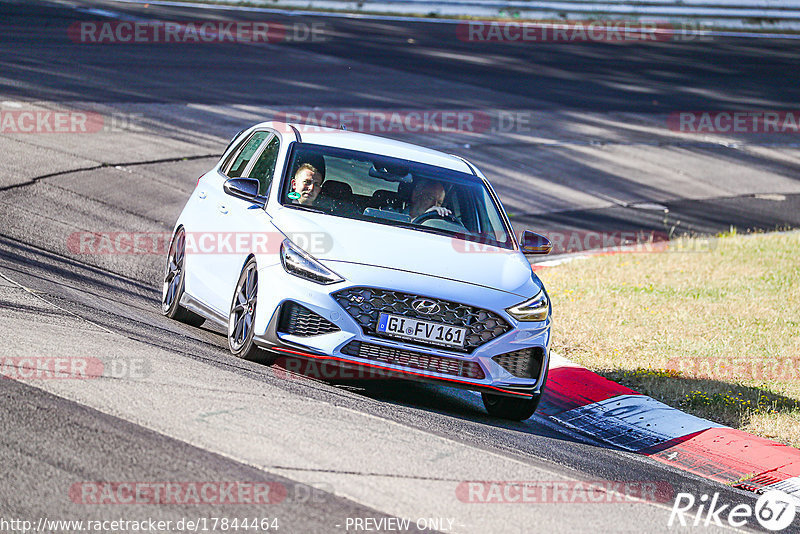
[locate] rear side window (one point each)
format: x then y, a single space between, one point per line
246 154
264 168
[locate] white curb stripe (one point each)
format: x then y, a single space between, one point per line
790 486
556 361
633 422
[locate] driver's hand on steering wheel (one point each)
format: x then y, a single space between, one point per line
443 212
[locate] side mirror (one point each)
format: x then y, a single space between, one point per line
533 243
246 188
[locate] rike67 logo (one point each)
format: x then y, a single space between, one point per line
774 510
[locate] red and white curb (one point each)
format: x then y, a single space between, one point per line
582 400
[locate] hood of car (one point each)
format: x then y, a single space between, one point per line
335 239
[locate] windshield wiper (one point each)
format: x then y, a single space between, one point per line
428 229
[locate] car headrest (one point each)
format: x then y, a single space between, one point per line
404 191
315 160
338 190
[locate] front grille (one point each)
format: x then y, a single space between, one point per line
300 321
525 363
414 360
365 305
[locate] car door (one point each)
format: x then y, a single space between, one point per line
240 224
206 236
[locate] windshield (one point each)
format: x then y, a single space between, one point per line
397 192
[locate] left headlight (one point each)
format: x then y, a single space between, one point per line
534 309
297 262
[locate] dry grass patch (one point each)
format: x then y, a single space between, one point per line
715 333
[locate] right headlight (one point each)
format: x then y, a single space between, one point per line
534 309
297 262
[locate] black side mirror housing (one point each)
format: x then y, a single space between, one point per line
245 188
533 243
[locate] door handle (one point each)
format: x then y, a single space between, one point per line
201 194
223 209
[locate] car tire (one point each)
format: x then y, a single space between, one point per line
511 408
242 317
174 279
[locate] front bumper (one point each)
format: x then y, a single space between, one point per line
396 358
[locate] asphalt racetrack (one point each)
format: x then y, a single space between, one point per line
578 141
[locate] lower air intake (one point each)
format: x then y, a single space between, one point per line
525 363
300 321
414 360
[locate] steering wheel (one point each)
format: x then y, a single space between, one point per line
433 214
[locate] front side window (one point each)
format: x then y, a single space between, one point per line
392 191
245 154
264 167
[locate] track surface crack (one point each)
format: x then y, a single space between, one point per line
36 179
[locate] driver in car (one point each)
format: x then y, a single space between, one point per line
427 195
306 184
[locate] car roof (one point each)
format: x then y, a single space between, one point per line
374 144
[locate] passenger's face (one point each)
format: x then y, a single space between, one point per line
425 197
308 184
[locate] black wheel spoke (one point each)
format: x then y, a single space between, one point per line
254 291
237 329
249 285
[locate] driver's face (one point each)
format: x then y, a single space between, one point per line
425 197
308 184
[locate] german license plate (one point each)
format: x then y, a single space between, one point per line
415 329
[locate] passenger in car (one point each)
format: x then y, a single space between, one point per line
307 183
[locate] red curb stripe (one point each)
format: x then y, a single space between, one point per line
572 387
727 455
721 454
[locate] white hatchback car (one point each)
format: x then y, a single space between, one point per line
366 253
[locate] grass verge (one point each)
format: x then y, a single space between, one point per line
714 333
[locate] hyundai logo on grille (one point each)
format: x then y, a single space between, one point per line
426 306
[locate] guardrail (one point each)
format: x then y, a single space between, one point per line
719 14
